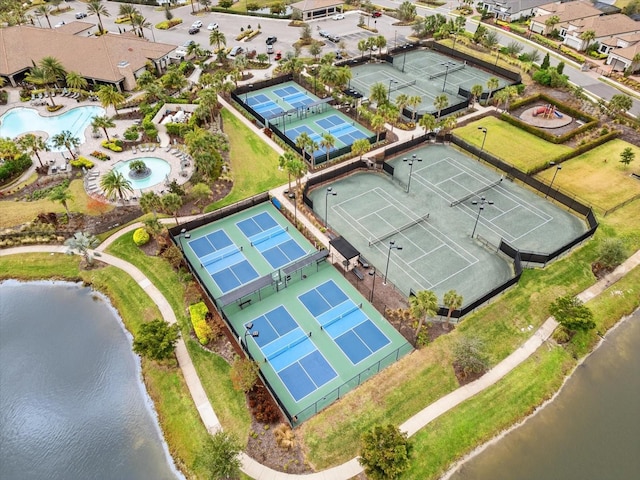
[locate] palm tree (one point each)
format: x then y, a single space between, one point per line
82 243
424 304
75 80
441 102
501 97
293 65
360 147
390 113
47 72
328 142
587 36
492 84
67 140
103 122
109 96
217 37
302 142
62 195
96 7
379 93
343 76
127 10
551 22
171 203
140 23
115 185
298 170
362 47
402 101
377 123
33 144
284 161
414 103
150 202
452 300
44 10
428 122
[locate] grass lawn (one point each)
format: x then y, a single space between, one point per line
531 151
601 184
14 213
254 165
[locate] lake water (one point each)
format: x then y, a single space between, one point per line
590 431
72 404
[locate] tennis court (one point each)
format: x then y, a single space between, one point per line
426 74
434 222
271 240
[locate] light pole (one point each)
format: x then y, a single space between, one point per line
483 201
246 94
389 92
326 203
153 35
484 131
455 39
446 72
413 159
183 234
558 168
392 246
495 65
248 331
373 286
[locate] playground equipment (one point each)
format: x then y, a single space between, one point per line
547 111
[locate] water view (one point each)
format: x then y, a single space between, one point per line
590 431
160 170
72 404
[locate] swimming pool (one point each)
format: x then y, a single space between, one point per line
159 171
20 120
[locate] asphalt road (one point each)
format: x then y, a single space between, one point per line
347 29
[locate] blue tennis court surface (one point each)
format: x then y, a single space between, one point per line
274 242
345 322
223 260
268 109
286 91
257 99
291 353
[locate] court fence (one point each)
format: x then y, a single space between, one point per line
237 94
329 175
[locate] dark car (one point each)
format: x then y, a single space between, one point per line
338 55
80 15
193 30
271 40
376 14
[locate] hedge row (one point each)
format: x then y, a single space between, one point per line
198 313
178 129
248 14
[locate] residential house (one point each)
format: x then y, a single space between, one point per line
605 28
106 59
511 10
312 9
626 54
564 12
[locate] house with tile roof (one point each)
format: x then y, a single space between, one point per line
511 10
563 11
605 28
626 54
106 59
312 9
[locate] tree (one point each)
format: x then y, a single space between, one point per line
103 122
492 84
572 314
328 142
501 97
385 452
156 340
200 192
305 33
620 103
48 71
171 203
217 37
33 144
407 11
402 101
360 147
476 93
414 103
63 195
550 23
95 7
44 10
422 305
82 243
150 202
470 355
109 96
612 252
390 113
441 102
546 62
315 49
587 36
379 93
75 80
362 47
452 300
627 156
302 142
127 10
244 374
66 139
428 122
115 185
377 123
220 456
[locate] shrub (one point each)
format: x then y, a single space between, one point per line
82 162
131 133
54 108
100 155
12 167
141 237
198 313
113 145
167 24
612 252
262 406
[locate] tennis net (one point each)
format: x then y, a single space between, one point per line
267 236
381 238
342 315
287 347
477 192
445 72
217 258
402 85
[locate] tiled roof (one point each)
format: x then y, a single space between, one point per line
568 11
606 25
306 5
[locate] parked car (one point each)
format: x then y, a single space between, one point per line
59 24
376 14
212 26
80 15
181 51
338 55
278 55
338 16
324 33
334 38
271 40
197 24
193 30
269 48
236 51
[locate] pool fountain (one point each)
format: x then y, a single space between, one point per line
144 172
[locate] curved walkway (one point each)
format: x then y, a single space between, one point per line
351 468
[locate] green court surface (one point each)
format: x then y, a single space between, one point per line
424 75
438 252
294 110
313 335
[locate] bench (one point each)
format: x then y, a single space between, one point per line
356 271
244 304
363 261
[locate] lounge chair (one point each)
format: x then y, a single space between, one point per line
133 149
153 147
63 167
168 149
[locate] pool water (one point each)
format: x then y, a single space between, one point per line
159 171
20 120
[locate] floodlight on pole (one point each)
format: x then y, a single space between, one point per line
411 162
391 80
372 273
392 246
326 203
446 72
481 203
558 168
484 139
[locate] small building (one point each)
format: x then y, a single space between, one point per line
605 28
511 10
312 9
627 55
564 12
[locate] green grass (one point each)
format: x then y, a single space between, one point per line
254 164
602 184
507 142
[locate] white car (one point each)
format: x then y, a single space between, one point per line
212 26
59 24
338 16
197 24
